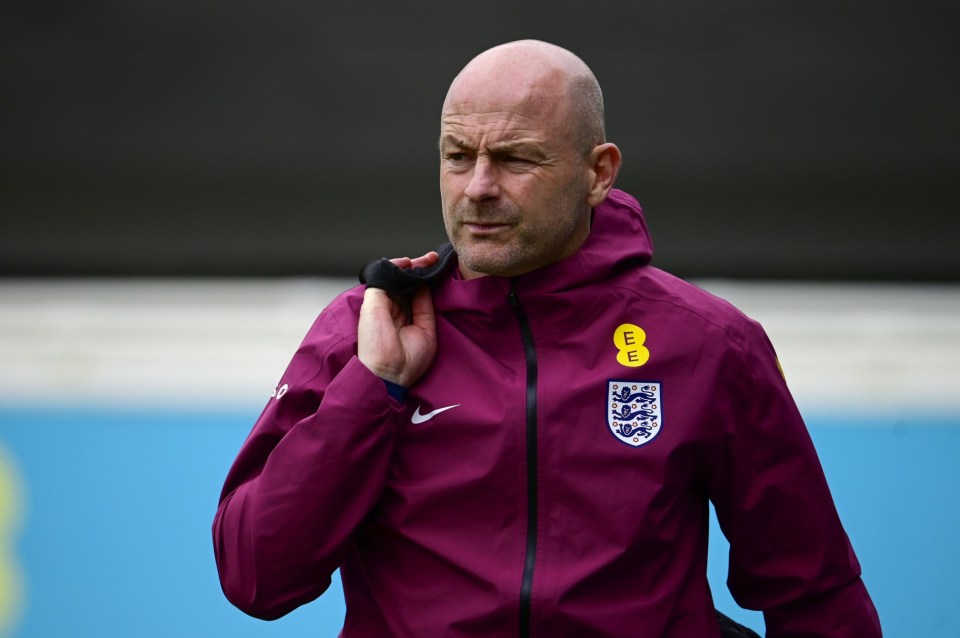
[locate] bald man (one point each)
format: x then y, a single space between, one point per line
526 443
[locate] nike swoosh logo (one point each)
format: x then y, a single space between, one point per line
420 418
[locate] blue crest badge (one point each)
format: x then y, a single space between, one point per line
634 412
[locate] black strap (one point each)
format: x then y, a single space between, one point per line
384 274
729 628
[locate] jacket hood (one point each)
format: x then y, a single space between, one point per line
618 240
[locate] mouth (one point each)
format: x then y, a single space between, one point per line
485 228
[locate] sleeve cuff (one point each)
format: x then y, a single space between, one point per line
398 392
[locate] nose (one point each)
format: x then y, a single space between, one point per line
483 183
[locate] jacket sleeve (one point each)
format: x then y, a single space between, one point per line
309 472
789 554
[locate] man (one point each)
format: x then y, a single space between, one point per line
529 446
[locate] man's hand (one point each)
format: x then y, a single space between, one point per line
395 342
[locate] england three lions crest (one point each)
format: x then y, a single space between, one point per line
634 411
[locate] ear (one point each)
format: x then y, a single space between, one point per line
603 164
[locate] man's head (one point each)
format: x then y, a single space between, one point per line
523 158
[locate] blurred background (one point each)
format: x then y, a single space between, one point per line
185 185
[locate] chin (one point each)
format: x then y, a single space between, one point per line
489 259
481 266
497 268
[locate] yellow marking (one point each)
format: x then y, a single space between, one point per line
629 340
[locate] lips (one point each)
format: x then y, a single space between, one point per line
485 228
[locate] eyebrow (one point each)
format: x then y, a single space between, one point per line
498 148
454 140
509 147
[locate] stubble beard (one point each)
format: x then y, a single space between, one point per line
526 248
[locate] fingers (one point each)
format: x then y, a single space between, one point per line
419 338
392 347
403 262
377 339
422 313
424 261
397 339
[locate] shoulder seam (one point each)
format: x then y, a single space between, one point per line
738 341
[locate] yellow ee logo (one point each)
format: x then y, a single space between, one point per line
629 341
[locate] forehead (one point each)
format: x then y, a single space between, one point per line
469 126
505 110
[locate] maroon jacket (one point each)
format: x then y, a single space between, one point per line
549 476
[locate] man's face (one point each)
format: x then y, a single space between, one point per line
512 182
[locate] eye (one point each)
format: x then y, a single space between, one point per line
456 156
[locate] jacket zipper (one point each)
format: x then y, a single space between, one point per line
526 583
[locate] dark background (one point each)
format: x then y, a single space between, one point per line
765 139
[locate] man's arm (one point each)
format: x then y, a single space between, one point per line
316 461
789 553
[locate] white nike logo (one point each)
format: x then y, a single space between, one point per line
420 418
